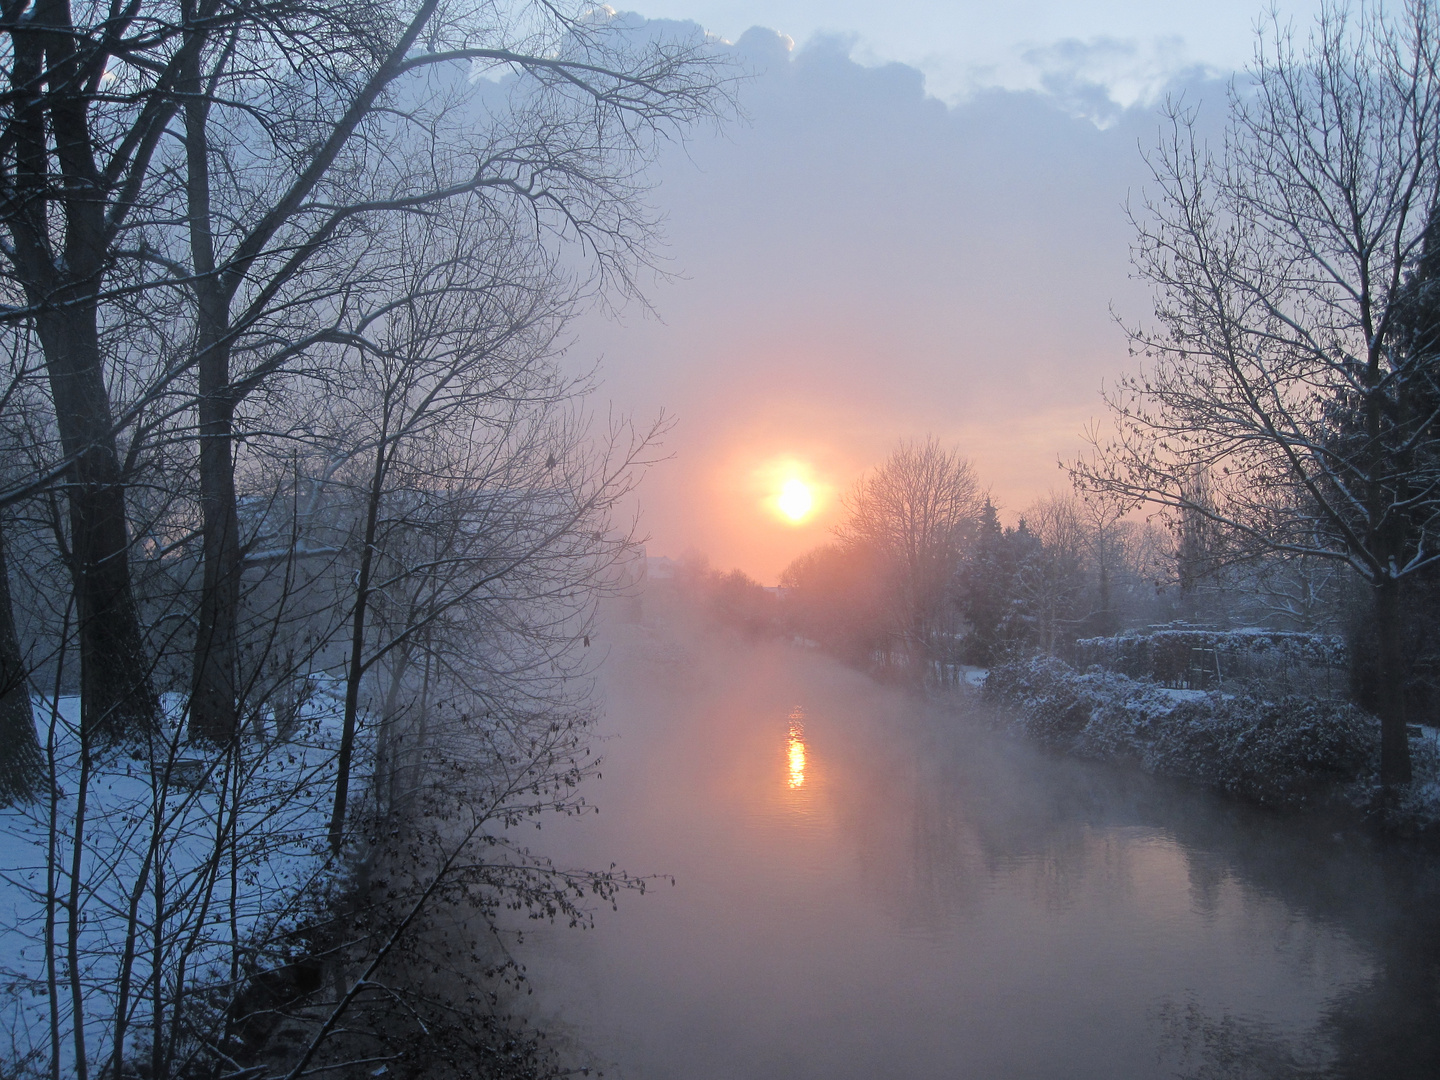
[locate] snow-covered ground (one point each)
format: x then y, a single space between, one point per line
189 869
973 676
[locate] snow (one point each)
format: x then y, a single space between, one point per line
973 676
1278 750
1175 693
216 866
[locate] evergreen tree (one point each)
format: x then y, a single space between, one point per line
984 587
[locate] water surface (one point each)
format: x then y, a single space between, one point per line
870 886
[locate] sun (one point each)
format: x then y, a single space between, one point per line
795 500
788 490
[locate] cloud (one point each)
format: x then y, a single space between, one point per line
1099 78
761 50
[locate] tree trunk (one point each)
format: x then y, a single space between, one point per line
115 693
21 764
1391 675
356 669
215 670
216 661
388 739
60 268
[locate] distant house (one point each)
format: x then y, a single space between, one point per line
660 568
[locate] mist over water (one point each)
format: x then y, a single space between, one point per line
867 885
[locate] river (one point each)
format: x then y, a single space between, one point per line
867 885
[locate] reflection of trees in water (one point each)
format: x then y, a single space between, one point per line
936 816
1055 870
1384 1027
1388 902
1049 820
1389 1025
915 845
1232 1048
940 881
1208 872
943 816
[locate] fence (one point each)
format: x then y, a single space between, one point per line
1196 658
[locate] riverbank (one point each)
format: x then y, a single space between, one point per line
1288 752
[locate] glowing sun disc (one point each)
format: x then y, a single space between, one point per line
795 499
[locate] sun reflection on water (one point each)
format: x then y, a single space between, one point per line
796 747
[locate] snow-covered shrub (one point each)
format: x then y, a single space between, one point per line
1285 752
1053 707
1281 753
1094 714
1125 722
1417 810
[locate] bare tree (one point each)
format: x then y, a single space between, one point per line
1052 582
915 513
236 159
296 277
1292 370
171 891
1109 544
563 141
20 761
481 498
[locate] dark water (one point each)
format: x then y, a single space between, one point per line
870 887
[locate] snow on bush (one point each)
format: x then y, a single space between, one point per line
1287 752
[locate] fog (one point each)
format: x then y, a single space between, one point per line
867 884
856 262
869 880
539 539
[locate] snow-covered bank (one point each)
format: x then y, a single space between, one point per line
1286 752
192 868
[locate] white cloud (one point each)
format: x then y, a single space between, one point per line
1062 47
1101 77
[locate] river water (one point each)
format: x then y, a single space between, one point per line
870 886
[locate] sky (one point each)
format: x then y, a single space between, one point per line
918 229
1132 47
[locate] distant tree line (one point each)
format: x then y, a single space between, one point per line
1283 435
923 577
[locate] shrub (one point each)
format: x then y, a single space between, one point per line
1286 752
1054 707
1281 753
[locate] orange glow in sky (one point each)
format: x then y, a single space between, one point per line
737 493
763 500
